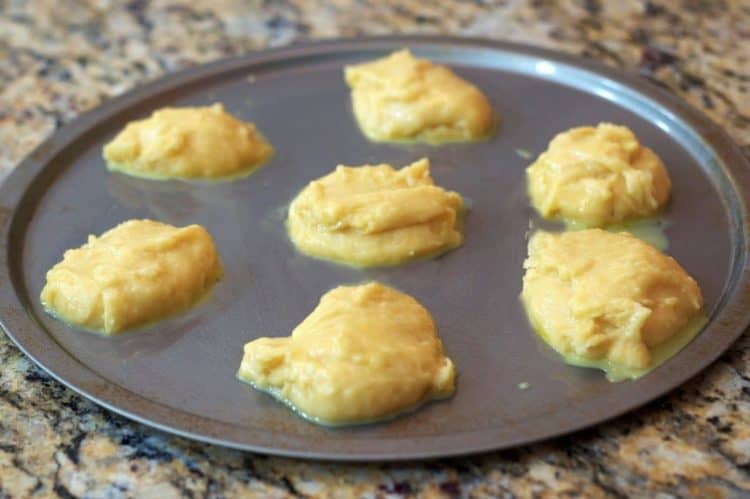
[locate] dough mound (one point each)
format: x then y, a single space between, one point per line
402 98
605 296
375 215
365 353
188 143
133 274
598 176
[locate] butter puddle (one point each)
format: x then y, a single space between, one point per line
238 175
276 394
659 354
203 299
650 230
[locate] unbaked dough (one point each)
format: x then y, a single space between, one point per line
597 295
403 98
134 274
598 176
376 215
188 143
365 353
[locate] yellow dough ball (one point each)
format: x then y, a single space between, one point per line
597 176
188 143
375 215
365 353
608 297
131 275
402 98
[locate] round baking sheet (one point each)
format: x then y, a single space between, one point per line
179 375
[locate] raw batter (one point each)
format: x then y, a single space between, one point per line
610 298
364 354
188 143
402 98
134 274
375 215
598 176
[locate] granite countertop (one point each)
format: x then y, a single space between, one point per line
60 58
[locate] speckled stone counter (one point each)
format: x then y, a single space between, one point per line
60 58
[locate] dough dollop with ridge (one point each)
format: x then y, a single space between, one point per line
605 296
375 215
131 275
365 353
188 143
598 176
403 98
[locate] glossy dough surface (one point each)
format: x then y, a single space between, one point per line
188 143
365 353
135 273
402 98
375 215
605 296
597 176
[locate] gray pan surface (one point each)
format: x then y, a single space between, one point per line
179 375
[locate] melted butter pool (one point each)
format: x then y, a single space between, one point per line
650 230
659 354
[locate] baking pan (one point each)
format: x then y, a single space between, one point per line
179 375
